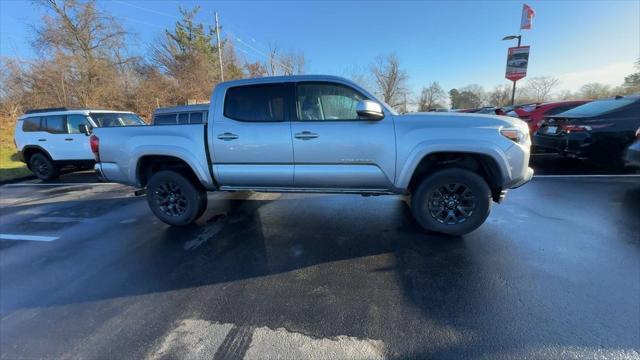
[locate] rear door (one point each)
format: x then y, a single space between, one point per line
252 137
332 147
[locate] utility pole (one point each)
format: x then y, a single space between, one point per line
219 48
513 91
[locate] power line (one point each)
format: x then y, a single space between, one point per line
242 42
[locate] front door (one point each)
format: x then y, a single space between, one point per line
332 147
252 137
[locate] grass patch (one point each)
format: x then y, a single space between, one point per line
10 166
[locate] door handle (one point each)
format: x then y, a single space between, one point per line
68 139
306 135
42 139
227 136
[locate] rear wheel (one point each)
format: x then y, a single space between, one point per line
43 167
451 201
175 199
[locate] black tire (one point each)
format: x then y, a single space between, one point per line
452 201
43 167
175 199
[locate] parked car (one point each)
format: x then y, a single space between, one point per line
184 114
533 114
480 110
599 131
632 156
321 134
50 139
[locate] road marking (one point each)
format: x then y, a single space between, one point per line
588 176
56 184
56 219
27 237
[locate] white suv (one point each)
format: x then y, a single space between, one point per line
50 139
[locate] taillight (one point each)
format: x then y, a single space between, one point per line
568 128
638 133
95 146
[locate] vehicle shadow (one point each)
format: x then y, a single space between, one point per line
301 264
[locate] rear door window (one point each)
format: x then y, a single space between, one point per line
55 124
31 124
256 103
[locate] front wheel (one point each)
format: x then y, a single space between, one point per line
175 199
451 201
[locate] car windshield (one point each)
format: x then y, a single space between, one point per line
116 119
595 108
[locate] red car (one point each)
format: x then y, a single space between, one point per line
534 113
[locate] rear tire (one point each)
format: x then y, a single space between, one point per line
452 201
43 168
175 199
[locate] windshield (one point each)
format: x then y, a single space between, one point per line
597 107
116 119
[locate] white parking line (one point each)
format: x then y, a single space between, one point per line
588 176
27 237
56 184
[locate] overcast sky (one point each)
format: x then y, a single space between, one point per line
456 43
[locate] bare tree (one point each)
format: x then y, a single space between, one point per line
595 91
539 89
566 95
290 63
86 47
390 80
500 95
431 97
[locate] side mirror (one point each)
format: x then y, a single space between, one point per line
84 129
370 110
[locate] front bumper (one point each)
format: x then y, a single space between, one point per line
632 156
527 177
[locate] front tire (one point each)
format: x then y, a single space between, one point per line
175 199
43 167
452 201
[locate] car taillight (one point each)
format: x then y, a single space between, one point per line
638 133
568 128
95 146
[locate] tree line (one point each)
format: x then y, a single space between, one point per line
85 60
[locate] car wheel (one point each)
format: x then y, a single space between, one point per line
451 201
175 199
42 167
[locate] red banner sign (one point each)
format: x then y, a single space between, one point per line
517 61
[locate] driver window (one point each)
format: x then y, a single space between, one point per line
326 101
73 123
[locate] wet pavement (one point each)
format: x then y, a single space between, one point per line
553 273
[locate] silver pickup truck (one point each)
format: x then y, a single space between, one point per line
320 134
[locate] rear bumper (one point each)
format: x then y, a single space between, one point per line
97 169
574 145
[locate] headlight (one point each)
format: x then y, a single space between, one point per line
515 135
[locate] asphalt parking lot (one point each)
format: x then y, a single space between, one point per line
86 271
